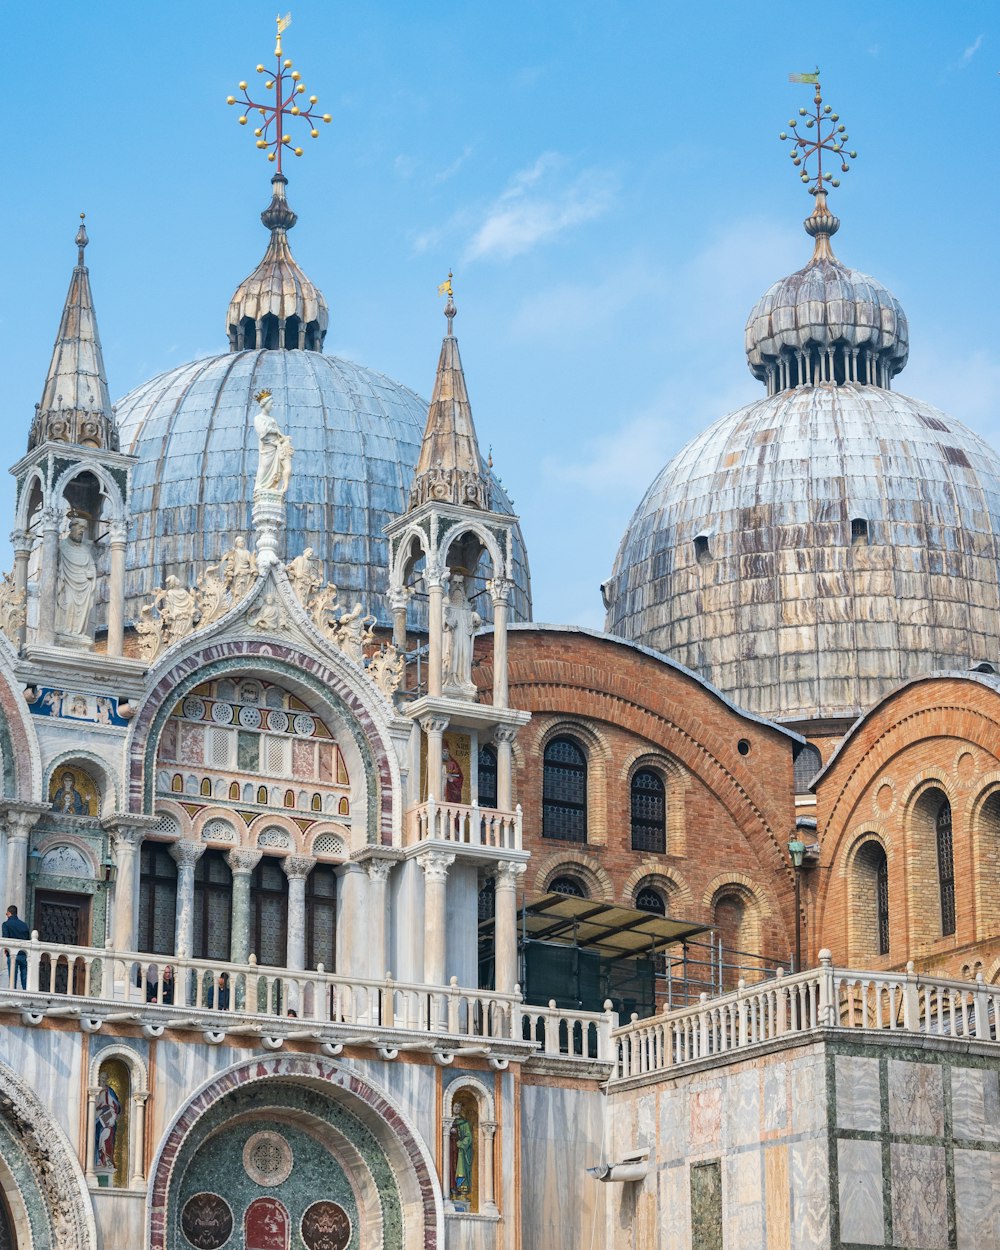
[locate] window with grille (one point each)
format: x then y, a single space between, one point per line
157 899
568 885
269 912
946 869
807 764
321 918
649 812
220 744
213 905
277 755
564 791
882 901
651 900
487 777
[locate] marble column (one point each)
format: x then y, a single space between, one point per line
297 869
90 1160
434 727
378 915
137 1139
398 601
51 519
487 1184
116 588
435 579
500 594
435 865
185 855
241 865
21 542
507 874
504 736
17 826
127 841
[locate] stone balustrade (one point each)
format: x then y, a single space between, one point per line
820 998
466 825
222 998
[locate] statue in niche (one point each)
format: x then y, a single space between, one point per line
274 467
108 1110
354 632
305 575
239 569
462 1151
453 777
460 623
76 580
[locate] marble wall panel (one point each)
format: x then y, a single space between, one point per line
741 1109
916 1098
919 1196
977 1199
706 1206
775 1098
50 1061
809 1182
465 1232
121 1220
743 1209
705 1106
776 1199
862 1218
675 1124
975 1104
808 1081
674 1231
859 1103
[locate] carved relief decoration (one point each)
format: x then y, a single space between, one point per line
13 609
267 1158
207 1221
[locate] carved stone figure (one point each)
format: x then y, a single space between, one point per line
460 623
76 580
461 1154
150 631
274 468
305 575
354 632
211 594
269 616
386 668
12 608
178 609
108 1109
239 569
321 607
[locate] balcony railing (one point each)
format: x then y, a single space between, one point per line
468 825
825 997
222 998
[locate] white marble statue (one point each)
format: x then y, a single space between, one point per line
76 580
354 632
305 575
239 569
178 609
274 468
387 669
13 608
460 624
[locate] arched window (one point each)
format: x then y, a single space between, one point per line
946 868
321 918
649 812
213 905
870 897
269 912
487 776
564 791
568 885
157 899
808 762
648 899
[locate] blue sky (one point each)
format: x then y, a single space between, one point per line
604 178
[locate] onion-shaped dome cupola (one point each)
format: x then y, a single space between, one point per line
75 406
277 306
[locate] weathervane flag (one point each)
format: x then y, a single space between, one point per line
445 287
812 78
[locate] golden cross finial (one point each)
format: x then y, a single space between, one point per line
830 136
271 136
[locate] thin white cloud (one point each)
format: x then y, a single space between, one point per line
451 170
539 204
971 51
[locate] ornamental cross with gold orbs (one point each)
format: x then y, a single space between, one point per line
287 88
828 135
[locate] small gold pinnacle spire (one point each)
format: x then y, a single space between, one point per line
450 311
830 136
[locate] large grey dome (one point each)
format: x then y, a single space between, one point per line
811 550
356 435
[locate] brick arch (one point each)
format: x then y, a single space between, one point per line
598 756
408 1155
983 834
575 864
871 833
669 881
676 782
328 686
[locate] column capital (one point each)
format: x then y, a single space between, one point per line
379 869
186 854
298 867
507 872
241 861
504 735
51 517
433 724
21 818
500 588
436 576
435 864
126 837
20 540
399 598
118 532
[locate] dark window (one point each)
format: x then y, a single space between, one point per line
946 869
808 762
702 552
859 532
487 777
651 900
157 899
321 918
955 455
269 913
882 901
649 812
564 791
568 885
213 905
488 899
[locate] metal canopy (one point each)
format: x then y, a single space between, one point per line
616 932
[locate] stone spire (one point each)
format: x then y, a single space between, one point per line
277 306
75 406
450 468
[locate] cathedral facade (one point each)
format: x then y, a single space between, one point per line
350 908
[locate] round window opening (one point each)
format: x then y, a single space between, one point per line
743 746
267 1158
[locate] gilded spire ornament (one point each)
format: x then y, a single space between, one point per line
828 135
286 87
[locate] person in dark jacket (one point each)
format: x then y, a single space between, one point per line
14 927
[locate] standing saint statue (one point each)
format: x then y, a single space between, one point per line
461 1154
274 468
305 574
107 1109
460 623
239 569
76 580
